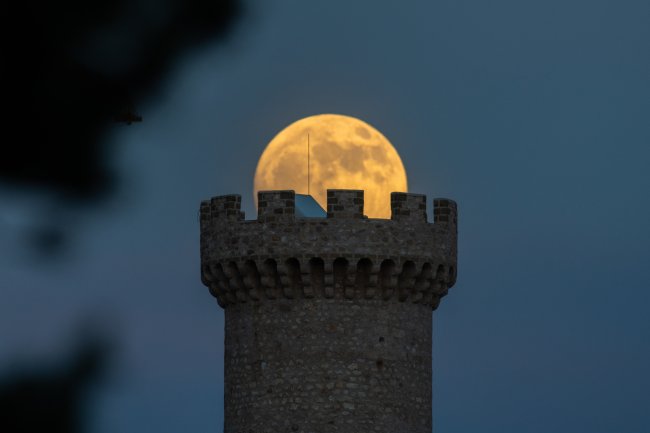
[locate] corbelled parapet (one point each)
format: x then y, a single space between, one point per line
345 254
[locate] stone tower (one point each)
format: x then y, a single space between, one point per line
328 320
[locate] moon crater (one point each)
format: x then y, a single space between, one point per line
345 153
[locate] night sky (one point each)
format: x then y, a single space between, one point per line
533 116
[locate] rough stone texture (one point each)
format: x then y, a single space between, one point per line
328 320
406 207
328 365
276 205
444 211
344 203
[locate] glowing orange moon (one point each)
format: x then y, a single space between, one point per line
345 153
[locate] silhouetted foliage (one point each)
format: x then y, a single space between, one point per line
53 399
71 68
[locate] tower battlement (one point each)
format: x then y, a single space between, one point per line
345 255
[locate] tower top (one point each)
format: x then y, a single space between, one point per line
345 254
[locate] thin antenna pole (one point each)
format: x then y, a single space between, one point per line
308 167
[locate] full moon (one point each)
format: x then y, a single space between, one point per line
344 153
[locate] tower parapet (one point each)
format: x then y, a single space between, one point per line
278 244
328 320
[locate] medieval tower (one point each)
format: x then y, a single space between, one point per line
328 320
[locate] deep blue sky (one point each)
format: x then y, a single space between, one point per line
533 116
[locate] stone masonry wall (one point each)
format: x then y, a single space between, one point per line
328 365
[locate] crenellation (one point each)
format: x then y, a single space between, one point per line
226 208
408 207
344 203
445 211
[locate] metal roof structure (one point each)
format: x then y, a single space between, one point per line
308 207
